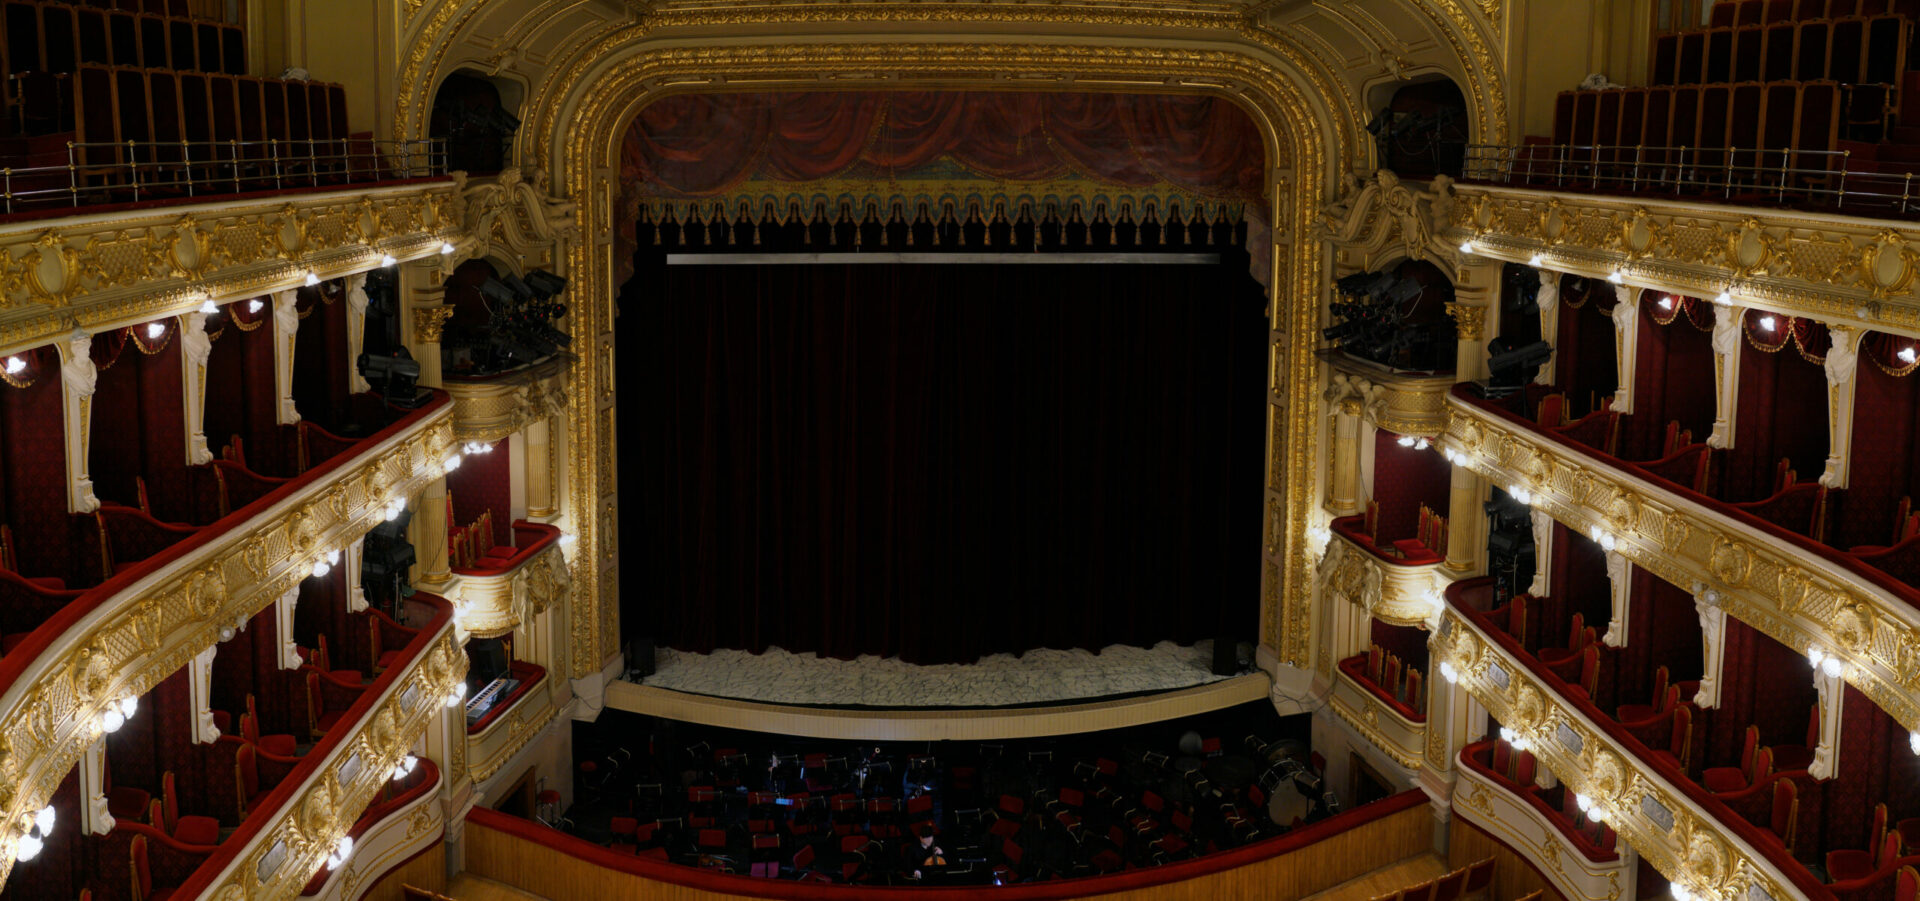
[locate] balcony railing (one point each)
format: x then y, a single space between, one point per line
89 173
385 835
1531 827
1818 179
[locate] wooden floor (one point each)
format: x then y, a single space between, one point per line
1412 871
468 887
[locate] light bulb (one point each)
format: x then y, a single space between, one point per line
1906 355
1666 303
111 721
1833 667
1422 444
321 568
1583 802
1452 675
1816 655
1766 322
446 249
1913 742
1507 734
1406 441
458 694
387 260
395 509
155 330
344 847
1607 542
1616 278
226 633
1466 246
312 279
28 848
409 762
333 556
44 818
1536 260
254 306
14 365
1593 532
452 463
129 704
1680 892
208 308
1725 298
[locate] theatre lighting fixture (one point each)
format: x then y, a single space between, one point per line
226 633
1724 298
1913 742
1421 444
1521 496
117 713
1512 364
312 279
452 463
155 330
386 260
1583 802
14 365
1448 673
393 510
404 768
33 833
207 308
1766 322
254 305
446 249
1466 246
458 694
1406 441
476 447
342 849
1681 893
1906 355
1666 303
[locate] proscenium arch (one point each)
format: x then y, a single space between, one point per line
1294 130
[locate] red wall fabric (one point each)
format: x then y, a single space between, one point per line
241 391
1782 413
484 482
1673 380
35 469
1662 630
1403 479
320 357
1764 683
1584 356
1409 642
139 427
1886 454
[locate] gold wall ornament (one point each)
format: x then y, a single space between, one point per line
430 322
1381 221
1470 321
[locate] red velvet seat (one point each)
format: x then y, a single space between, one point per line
1785 817
1628 713
191 829
143 888
1856 863
1730 778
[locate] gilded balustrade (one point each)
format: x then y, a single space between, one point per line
1497 811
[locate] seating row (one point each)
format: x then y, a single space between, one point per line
43 36
1766 12
1801 117
1857 50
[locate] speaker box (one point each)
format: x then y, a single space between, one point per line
640 657
1226 658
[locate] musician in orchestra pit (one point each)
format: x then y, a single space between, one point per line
923 855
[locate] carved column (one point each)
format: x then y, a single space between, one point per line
356 592
420 286
286 325
1470 355
94 818
1726 373
1548 302
200 685
1626 343
1620 577
283 623
1833 695
430 535
1842 365
1542 554
195 346
1343 488
357 301
1713 644
539 462
78 377
1466 522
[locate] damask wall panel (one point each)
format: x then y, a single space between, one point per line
31 418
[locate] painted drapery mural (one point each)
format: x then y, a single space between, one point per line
990 150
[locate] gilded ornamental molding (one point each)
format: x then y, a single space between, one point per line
1382 726
108 270
489 410
1846 270
1496 810
1647 811
429 323
491 748
1798 599
497 603
50 714
1396 402
1398 595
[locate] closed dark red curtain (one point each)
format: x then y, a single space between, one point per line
1782 411
242 395
320 358
33 468
1673 376
1584 356
1409 643
940 462
139 425
1403 479
482 484
1886 445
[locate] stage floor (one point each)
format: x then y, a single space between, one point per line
1042 676
1038 694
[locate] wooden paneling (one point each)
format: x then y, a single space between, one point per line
546 871
427 871
1513 875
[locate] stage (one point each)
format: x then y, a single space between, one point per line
1042 692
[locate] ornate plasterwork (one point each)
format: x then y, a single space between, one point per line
495 603
1863 273
487 411
429 323
1681 843
50 714
491 748
1382 726
122 269
1798 599
1399 595
513 214
1496 810
1376 222
1399 403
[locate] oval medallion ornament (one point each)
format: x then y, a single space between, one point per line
1730 562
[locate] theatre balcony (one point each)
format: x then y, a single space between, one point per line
1498 792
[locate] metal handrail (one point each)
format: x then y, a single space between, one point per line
1824 178
91 172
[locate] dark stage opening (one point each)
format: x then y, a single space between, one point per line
939 462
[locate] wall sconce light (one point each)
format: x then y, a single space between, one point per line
14 365
1906 355
155 330
342 849
1448 673
312 279
208 308
33 834
1536 260
458 694
1616 278
254 305
387 260
404 768
446 249
1724 298
1766 322
1466 246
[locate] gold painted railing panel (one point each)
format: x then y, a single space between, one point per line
50 714
1800 599
489 410
105 270
1689 846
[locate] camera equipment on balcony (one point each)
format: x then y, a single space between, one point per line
518 329
1513 365
394 376
385 556
1510 551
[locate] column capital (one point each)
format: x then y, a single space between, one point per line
430 322
1470 320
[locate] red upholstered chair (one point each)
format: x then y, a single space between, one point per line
803 858
1589 678
1502 758
1575 641
1789 758
1628 713
1855 863
142 888
328 698
1679 747
125 802
765 870
1907 885
278 745
190 829
713 838
921 807
1729 778
623 828
1012 806
1786 812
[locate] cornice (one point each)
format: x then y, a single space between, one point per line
1853 271
1799 599
1647 811
106 270
130 642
